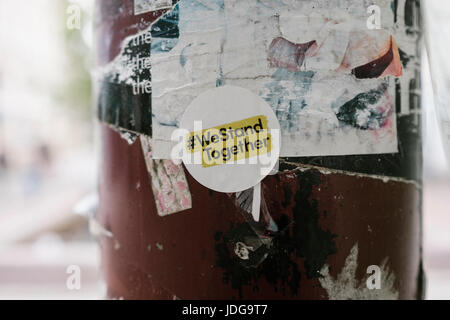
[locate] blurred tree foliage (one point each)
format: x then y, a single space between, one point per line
75 90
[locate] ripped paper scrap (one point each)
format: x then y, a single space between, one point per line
144 6
169 183
256 205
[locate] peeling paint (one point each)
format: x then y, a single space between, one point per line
116 245
290 166
347 287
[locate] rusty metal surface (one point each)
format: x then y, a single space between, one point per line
190 255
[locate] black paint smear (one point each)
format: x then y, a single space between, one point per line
312 242
395 4
278 268
412 12
286 166
287 196
404 58
118 106
348 112
375 69
275 260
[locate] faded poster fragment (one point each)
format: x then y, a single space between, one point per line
169 184
124 99
327 76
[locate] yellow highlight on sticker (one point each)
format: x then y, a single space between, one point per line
231 142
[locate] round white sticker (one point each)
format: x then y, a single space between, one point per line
231 139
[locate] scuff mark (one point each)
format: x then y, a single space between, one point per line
286 166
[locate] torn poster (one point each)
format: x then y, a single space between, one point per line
124 98
143 6
328 76
124 84
169 183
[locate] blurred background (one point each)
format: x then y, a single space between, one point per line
47 160
47 156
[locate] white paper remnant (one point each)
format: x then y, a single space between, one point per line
143 6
